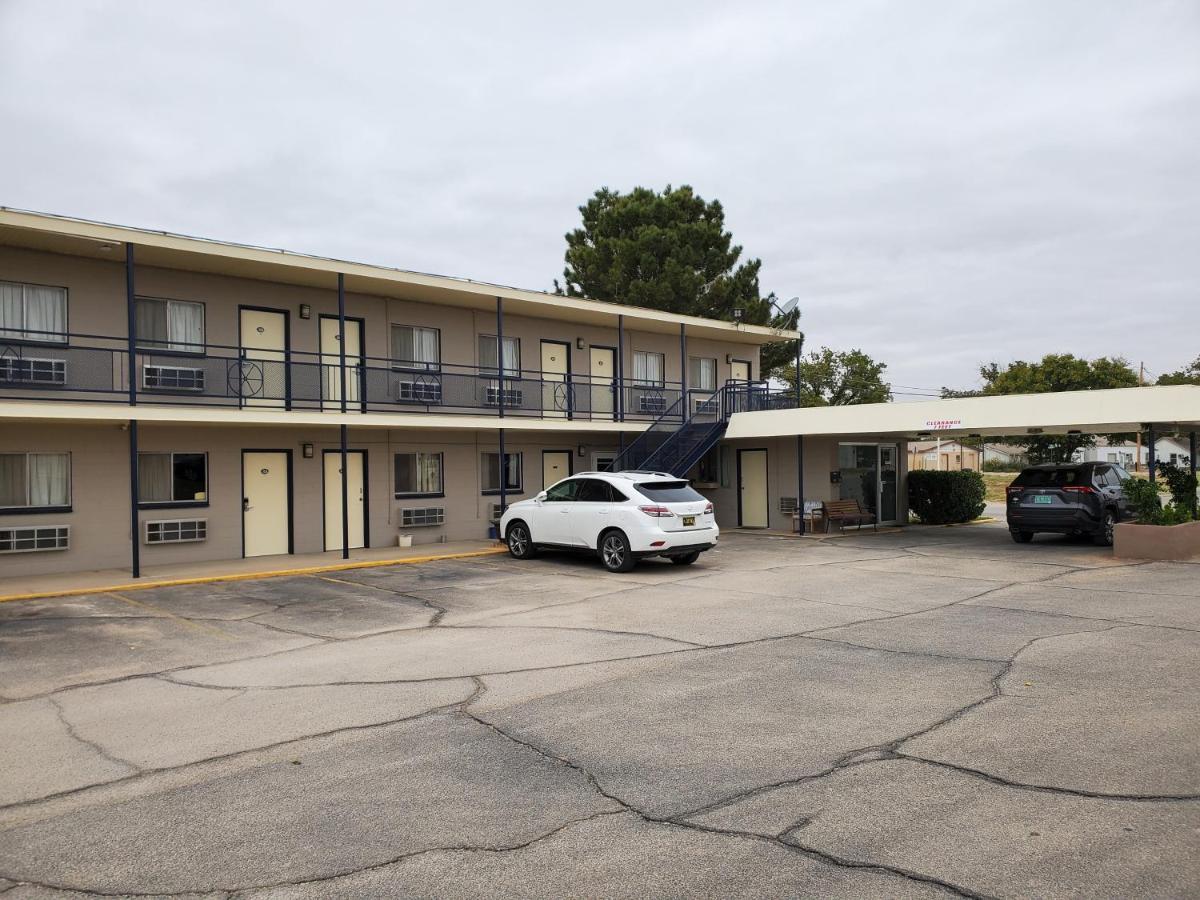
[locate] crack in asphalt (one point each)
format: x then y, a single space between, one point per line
92 745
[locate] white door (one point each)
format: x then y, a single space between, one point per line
752 488
331 373
263 355
266 505
356 492
603 374
739 370
555 399
556 465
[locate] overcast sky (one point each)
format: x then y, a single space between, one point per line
941 183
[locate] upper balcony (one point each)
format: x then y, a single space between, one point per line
96 368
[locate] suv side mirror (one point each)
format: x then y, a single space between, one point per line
540 497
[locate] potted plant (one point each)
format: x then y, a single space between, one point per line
1161 531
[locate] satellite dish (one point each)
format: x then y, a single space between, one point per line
787 308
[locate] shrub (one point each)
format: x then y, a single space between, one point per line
1000 465
1147 505
939 498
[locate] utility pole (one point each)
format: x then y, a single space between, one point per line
1137 452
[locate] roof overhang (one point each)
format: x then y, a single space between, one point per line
79 237
1090 412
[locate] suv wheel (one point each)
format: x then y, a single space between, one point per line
615 552
1022 537
686 560
520 543
1104 537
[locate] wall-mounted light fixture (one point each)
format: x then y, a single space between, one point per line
578 343
728 359
305 311
307 450
582 450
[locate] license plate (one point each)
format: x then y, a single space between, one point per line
1043 498
688 521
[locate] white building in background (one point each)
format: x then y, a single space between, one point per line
1168 449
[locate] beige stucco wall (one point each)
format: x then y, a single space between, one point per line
820 459
96 305
99 520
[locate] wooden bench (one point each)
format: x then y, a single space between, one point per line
847 512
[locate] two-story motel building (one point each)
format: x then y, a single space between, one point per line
167 399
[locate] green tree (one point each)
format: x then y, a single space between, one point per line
1190 375
830 378
667 251
1055 372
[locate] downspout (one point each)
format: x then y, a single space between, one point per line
341 289
131 353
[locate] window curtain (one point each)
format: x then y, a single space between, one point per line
12 480
49 479
702 373
429 473
425 346
488 360
12 319
45 313
512 470
512 356
154 477
185 326
151 323
648 368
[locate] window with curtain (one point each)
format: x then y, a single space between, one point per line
414 347
489 362
35 480
492 472
702 373
419 475
648 368
174 478
33 312
176 325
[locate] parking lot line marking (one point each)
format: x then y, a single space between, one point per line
199 626
246 576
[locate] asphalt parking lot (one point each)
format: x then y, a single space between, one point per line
929 713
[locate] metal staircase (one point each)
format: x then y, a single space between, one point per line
678 439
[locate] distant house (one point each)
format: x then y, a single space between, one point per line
951 454
1167 448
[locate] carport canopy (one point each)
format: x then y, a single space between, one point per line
1168 408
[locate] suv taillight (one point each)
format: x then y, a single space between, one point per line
1079 489
708 509
1014 489
657 512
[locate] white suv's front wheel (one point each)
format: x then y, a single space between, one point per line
520 543
615 552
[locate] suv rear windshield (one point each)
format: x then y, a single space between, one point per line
668 491
1050 477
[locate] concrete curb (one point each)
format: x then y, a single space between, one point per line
246 576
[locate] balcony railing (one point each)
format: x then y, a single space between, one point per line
97 368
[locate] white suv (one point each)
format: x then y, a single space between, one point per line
621 516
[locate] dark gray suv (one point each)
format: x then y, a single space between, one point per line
1075 498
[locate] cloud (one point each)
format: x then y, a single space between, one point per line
941 184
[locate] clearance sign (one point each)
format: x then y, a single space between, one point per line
942 424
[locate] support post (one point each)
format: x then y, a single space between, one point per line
799 355
683 367
341 288
1151 457
503 481
620 406
135 546
800 482
500 379
1192 463
131 324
